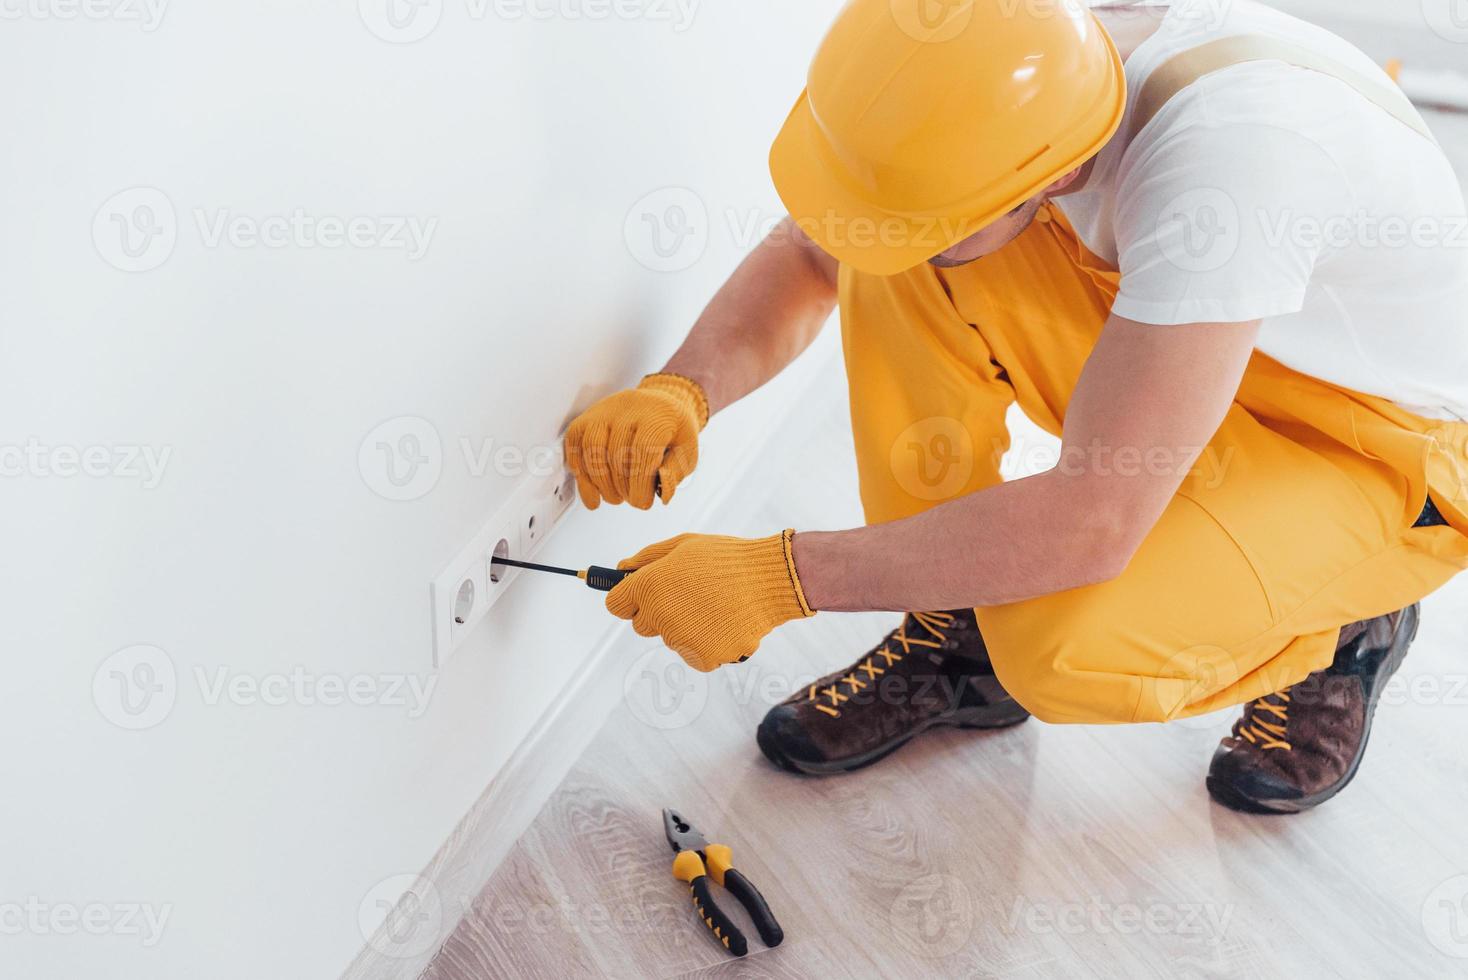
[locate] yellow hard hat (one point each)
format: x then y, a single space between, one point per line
923 121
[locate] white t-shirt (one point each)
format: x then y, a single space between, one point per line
1266 191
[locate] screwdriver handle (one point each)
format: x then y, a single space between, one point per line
604 579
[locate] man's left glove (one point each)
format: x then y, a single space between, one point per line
711 598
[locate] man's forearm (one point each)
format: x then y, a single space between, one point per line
1144 390
769 311
1015 541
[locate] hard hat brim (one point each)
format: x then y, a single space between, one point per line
848 228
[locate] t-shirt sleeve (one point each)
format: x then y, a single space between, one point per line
1223 223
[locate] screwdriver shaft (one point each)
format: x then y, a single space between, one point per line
534 567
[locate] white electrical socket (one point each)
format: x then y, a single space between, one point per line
464 591
547 503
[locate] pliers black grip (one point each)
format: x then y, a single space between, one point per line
696 862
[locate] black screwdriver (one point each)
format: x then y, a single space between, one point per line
599 578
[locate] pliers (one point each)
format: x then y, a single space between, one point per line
696 861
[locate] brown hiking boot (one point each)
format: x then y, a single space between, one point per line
1295 749
932 670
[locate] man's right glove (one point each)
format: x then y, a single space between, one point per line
712 598
631 444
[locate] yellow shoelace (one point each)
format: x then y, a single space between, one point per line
1268 734
933 622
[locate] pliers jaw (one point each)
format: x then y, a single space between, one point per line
682 835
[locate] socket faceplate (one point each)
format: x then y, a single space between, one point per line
522 524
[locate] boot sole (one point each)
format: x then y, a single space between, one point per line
1234 800
967 718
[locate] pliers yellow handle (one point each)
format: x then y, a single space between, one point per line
702 862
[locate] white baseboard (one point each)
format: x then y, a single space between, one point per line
463 865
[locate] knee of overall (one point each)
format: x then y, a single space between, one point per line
1067 659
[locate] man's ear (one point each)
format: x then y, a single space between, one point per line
1064 182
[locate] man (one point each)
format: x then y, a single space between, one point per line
1166 233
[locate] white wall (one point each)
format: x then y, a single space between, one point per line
258 829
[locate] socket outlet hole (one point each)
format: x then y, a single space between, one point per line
464 601
496 569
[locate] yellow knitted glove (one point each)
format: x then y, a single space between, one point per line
627 444
711 598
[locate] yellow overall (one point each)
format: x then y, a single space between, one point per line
1297 520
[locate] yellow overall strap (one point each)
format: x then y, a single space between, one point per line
1182 70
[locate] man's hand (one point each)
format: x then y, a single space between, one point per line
636 442
640 443
711 598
